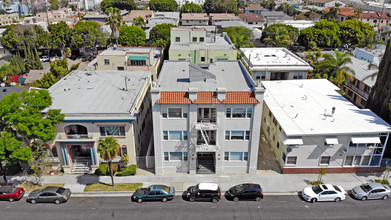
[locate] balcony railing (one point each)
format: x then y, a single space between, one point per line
206 125
357 90
201 142
205 147
74 136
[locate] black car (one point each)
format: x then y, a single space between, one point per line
245 191
50 194
203 191
154 192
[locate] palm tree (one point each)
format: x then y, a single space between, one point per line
281 38
313 58
114 20
108 150
357 12
139 21
336 67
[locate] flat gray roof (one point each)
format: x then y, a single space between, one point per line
121 51
220 42
99 93
304 107
182 75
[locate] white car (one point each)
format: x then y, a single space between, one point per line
324 192
44 58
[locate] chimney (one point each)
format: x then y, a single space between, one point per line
193 93
221 92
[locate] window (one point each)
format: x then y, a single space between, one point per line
120 68
238 113
194 39
249 112
245 156
350 93
237 135
260 75
165 135
112 131
185 156
202 59
107 61
235 156
177 39
226 155
123 150
227 135
348 160
365 160
278 145
166 156
247 135
175 135
174 112
291 160
201 39
184 135
175 155
325 160
138 62
363 102
228 113
298 75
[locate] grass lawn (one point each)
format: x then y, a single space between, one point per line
28 187
98 187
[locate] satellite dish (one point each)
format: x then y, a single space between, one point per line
2 85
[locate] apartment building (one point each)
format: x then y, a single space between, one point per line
7 19
194 19
145 14
99 104
200 45
206 118
129 58
274 64
309 126
217 17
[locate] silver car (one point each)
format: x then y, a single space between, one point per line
371 191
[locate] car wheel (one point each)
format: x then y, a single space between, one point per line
385 197
33 201
57 201
11 199
139 200
337 199
236 199
214 200
191 199
164 200
258 199
313 200
364 198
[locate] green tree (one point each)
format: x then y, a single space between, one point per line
54 4
114 20
25 124
159 35
323 34
269 4
240 36
59 68
288 9
313 58
191 7
163 5
59 35
221 6
131 36
120 4
332 14
354 32
139 22
336 67
87 35
279 35
46 81
108 150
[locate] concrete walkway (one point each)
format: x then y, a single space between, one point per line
272 183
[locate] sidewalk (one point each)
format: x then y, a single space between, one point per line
271 183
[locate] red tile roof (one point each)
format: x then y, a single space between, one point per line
350 12
207 98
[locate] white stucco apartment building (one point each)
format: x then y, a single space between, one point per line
274 63
206 118
309 125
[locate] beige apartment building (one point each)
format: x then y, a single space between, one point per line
8 19
195 19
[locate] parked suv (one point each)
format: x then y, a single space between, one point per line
245 191
204 191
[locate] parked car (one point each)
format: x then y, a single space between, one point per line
324 192
11 193
371 191
50 194
45 59
246 191
154 192
203 191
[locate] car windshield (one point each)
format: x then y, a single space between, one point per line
167 189
317 189
238 188
60 190
366 187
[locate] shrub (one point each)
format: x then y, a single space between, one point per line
102 170
386 182
316 182
128 171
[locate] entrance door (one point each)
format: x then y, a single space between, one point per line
206 162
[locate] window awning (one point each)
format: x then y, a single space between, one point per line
291 140
331 140
137 58
366 140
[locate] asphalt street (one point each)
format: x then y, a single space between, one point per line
271 207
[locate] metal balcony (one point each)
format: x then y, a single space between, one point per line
206 147
206 125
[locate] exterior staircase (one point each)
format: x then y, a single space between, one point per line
206 166
81 165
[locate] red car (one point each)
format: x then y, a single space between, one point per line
11 193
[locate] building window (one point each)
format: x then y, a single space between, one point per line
249 112
260 75
165 135
201 39
291 160
174 113
177 39
175 135
112 131
120 68
238 112
228 113
227 135
247 135
107 61
278 145
185 156
237 135
138 62
166 156
298 75
284 157
202 59
185 135
175 155
348 160
238 156
123 150
350 93
325 160
226 155
194 39
363 102
245 157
